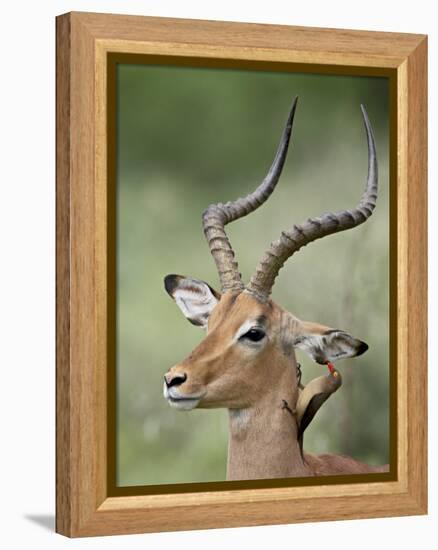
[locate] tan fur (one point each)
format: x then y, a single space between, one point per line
254 383
331 464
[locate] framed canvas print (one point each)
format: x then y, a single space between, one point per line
241 274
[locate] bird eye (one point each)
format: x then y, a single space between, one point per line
255 335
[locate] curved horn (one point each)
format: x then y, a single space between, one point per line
217 216
291 241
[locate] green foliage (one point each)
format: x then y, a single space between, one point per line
190 137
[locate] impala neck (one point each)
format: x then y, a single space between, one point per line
263 438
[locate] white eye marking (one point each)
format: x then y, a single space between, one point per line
247 325
250 325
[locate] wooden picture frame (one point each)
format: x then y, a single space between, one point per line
86 505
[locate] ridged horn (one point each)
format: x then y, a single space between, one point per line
217 216
291 241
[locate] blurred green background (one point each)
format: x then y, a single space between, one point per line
189 137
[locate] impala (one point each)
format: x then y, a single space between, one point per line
246 363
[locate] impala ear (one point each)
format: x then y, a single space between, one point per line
195 298
325 344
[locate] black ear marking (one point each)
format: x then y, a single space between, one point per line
171 283
362 348
329 345
195 322
195 298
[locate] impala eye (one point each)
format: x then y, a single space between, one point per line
255 335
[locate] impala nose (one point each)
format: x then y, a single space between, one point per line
174 379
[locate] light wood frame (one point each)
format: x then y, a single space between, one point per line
84 41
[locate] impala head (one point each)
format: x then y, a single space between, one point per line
250 340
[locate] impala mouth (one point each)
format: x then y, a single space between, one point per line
180 402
